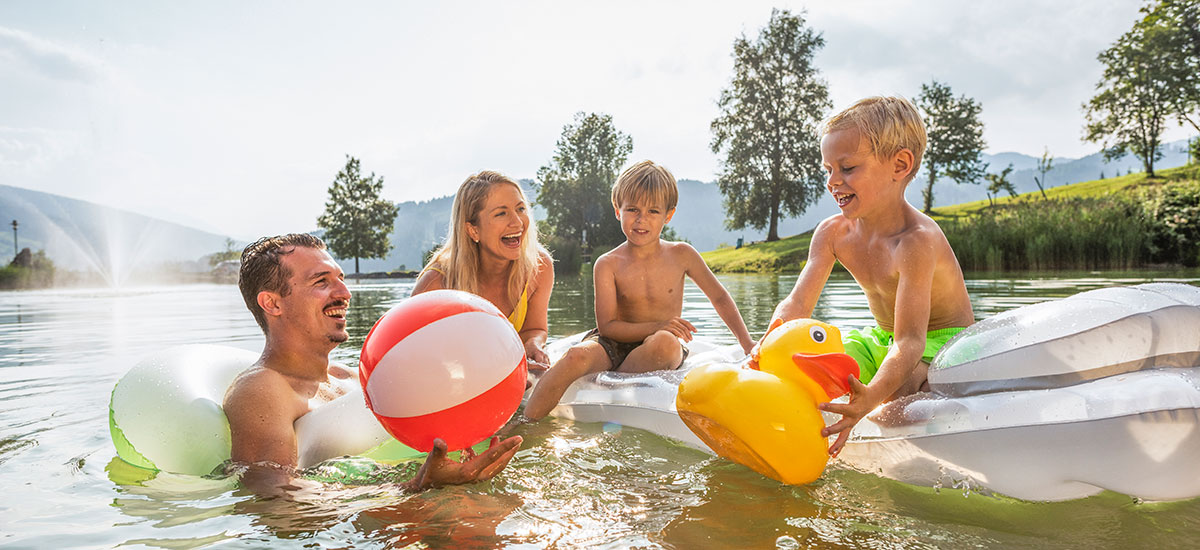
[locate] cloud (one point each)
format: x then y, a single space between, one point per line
48 58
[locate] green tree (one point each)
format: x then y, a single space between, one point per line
999 182
356 221
767 129
1171 28
231 252
955 138
1044 165
1135 96
575 188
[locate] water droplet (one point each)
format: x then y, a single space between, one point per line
787 542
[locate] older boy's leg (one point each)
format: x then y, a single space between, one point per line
660 351
583 358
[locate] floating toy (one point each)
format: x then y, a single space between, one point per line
1052 401
165 414
767 419
443 364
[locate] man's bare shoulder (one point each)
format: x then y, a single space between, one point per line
258 387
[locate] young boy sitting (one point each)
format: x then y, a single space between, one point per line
898 256
639 293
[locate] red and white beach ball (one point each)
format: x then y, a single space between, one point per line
443 364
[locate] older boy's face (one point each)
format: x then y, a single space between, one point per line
856 177
642 222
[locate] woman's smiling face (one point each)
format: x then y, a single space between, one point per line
500 227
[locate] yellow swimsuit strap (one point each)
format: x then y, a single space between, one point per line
517 317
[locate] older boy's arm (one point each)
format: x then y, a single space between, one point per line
800 302
608 321
717 295
913 292
534 332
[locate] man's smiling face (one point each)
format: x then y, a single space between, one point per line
317 298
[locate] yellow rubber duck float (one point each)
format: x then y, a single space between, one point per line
767 419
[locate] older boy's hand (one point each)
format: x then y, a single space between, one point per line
680 327
861 403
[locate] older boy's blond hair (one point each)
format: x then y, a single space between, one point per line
646 182
888 123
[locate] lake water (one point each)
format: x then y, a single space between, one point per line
573 485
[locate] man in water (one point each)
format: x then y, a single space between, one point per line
298 295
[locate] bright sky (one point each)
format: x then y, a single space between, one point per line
235 116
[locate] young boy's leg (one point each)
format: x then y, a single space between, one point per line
581 359
659 351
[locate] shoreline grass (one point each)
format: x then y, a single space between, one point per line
1123 222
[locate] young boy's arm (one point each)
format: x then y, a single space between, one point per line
604 282
695 268
800 302
916 257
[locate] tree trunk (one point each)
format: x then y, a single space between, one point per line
928 192
356 265
773 227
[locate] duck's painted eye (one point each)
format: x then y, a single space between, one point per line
817 334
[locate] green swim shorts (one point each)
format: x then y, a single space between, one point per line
870 346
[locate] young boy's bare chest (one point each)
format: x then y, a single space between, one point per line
649 285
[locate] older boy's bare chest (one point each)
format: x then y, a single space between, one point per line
873 265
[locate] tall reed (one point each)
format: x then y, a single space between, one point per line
1074 233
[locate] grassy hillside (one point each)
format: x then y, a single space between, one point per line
788 254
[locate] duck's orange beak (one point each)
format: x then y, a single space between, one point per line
828 370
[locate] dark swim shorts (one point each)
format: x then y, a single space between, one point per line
618 351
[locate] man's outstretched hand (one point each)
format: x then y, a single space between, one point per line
439 470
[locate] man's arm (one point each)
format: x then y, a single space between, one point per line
261 411
534 332
716 293
915 257
605 283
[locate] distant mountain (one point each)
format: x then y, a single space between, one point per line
700 216
84 236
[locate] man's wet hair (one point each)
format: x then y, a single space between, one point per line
262 268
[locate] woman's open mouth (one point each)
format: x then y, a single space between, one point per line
511 241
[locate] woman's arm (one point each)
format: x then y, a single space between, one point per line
536 327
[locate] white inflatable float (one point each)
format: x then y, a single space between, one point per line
165 414
1053 401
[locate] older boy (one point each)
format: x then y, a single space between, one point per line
639 293
898 256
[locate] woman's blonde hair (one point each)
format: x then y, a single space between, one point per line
458 259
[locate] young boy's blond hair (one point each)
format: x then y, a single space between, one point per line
646 182
889 124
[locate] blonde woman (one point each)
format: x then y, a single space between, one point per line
492 250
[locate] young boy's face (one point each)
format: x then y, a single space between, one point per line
856 177
642 221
